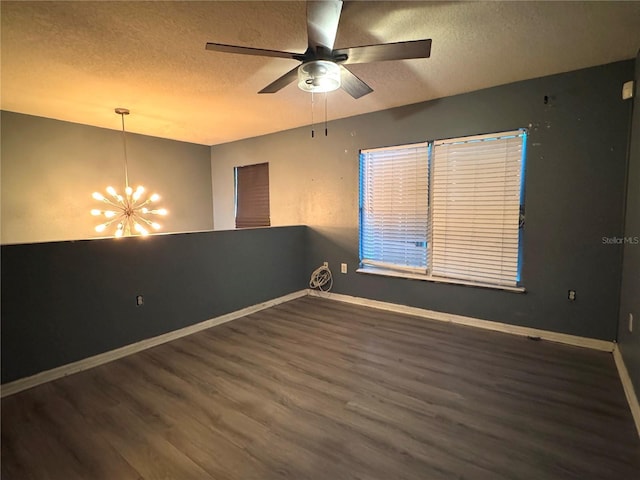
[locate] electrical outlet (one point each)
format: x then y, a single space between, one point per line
343 268
571 295
139 300
630 322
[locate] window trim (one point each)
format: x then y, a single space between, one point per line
394 250
372 269
256 209
385 272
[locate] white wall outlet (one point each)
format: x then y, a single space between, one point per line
630 322
343 268
571 295
139 300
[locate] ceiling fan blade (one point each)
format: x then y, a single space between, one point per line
386 51
281 82
352 84
322 23
220 47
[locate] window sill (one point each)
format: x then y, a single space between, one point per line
430 278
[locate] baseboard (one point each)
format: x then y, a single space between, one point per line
592 343
629 391
90 362
100 359
574 340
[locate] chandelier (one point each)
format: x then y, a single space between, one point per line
127 212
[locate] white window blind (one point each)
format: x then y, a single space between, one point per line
394 207
475 208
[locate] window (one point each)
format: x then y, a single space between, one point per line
394 207
446 210
252 196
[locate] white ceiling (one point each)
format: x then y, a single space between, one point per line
77 61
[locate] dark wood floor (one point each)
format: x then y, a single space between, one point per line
315 389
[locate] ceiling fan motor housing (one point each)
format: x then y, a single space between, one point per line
319 76
323 68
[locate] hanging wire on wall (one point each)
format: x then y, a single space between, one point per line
322 279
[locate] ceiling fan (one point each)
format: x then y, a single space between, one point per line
323 69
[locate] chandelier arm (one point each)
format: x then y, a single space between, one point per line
109 202
137 222
110 222
119 200
145 220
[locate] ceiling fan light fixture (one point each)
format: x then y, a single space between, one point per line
319 76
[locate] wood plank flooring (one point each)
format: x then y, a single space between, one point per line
316 389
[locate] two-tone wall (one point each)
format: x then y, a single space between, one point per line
63 301
575 176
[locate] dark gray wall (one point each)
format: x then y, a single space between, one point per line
629 342
574 195
65 301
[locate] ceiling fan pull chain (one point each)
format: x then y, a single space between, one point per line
325 115
312 121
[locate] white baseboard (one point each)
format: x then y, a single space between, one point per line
629 391
90 362
592 343
84 364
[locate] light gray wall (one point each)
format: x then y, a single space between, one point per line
50 169
574 195
629 342
311 180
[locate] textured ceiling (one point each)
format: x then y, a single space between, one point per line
77 61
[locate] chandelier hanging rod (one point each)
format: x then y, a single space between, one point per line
122 112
